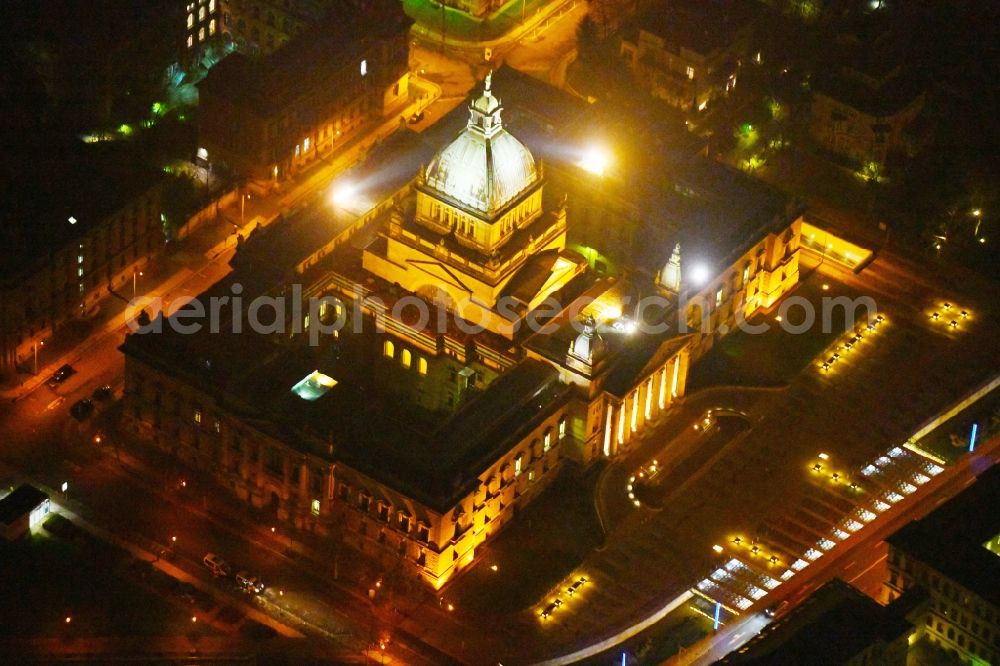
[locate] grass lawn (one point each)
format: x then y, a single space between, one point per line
459 25
538 549
776 356
48 578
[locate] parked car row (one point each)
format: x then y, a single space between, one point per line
244 580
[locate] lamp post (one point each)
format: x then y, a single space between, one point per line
135 273
243 200
34 348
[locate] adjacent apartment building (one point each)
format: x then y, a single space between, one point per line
954 555
75 224
689 53
266 117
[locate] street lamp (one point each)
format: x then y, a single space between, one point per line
34 348
135 273
243 200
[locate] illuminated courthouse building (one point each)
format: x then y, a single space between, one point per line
410 433
267 117
953 554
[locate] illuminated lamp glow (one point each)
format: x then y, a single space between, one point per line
343 194
700 274
972 437
595 160
71 220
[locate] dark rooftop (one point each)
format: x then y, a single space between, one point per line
836 621
702 26
271 82
21 501
66 179
950 539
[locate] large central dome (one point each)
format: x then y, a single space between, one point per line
485 167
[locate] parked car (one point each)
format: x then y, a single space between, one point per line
218 566
102 393
81 409
61 375
249 583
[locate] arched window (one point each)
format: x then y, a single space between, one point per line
406 358
547 440
422 365
389 349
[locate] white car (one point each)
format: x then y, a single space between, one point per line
217 565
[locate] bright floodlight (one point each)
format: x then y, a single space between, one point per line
595 160
343 194
700 274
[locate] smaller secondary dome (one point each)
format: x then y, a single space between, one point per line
485 167
589 345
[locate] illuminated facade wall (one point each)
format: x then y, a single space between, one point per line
69 283
381 522
624 418
956 619
754 282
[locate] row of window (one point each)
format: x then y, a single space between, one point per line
405 357
383 512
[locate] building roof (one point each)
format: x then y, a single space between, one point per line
484 168
950 539
701 26
22 501
836 621
338 40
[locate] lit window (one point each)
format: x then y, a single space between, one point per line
562 427
531 475
746 273
718 297
305 145
211 5
201 34
79 272
197 416
364 68
517 466
406 358
315 507
190 20
217 426
422 365
201 13
389 349
547 440
79 258
690 72
211 27
298 150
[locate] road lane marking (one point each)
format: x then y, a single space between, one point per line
55 402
